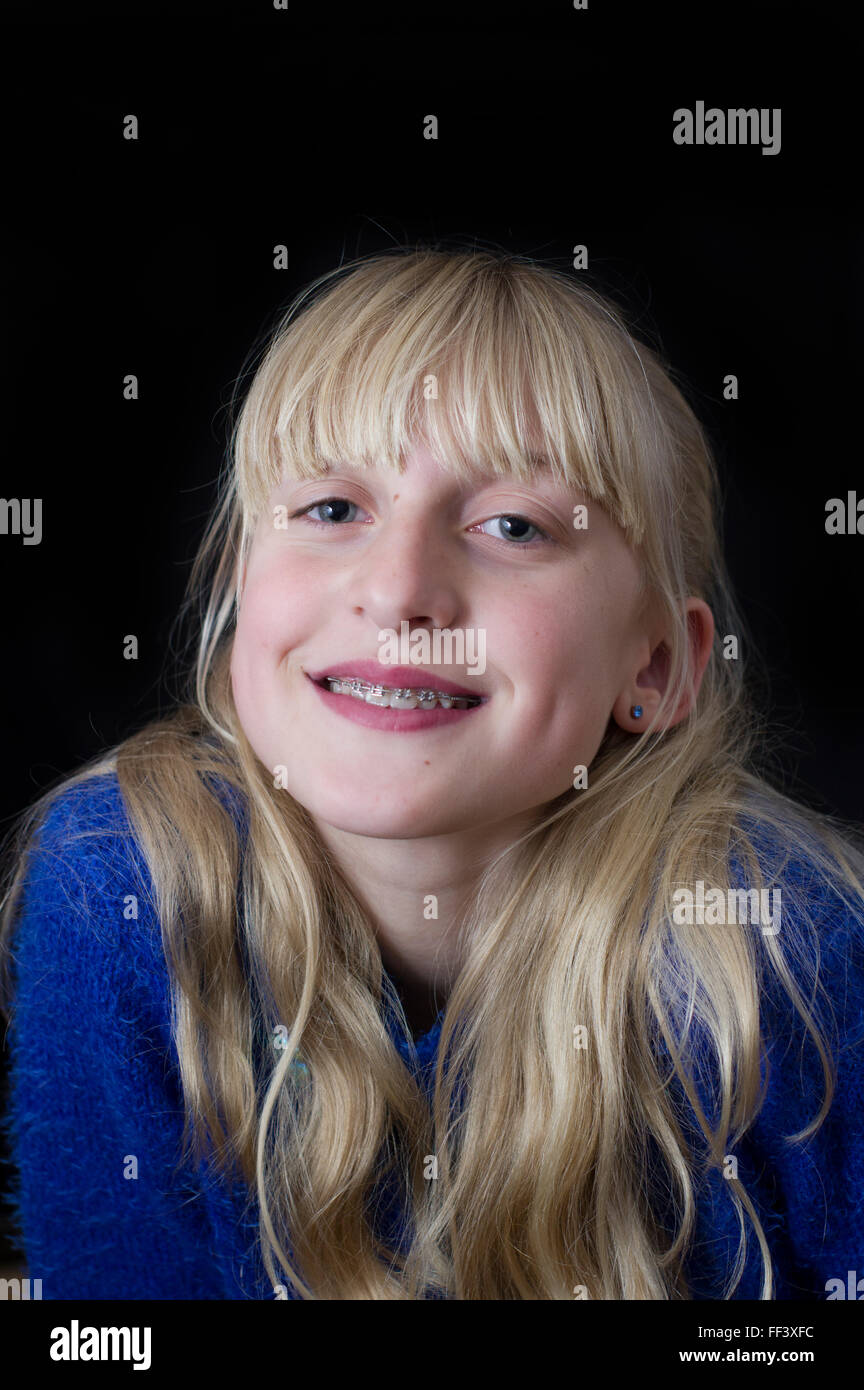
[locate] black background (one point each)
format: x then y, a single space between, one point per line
259 127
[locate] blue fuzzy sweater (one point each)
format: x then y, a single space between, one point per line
96 1096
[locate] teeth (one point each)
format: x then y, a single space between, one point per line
386 697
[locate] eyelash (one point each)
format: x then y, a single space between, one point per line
541 538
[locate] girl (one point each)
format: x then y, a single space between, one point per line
501 979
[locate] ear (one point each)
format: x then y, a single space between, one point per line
649 685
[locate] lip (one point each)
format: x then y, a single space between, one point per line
404 677
388 720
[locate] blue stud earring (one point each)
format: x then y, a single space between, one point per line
636 712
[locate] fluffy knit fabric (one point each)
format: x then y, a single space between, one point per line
95 1091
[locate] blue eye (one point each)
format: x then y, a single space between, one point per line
334 503
515 528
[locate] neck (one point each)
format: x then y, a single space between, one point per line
416 893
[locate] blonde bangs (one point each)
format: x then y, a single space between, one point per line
500 369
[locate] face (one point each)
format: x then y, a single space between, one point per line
557 609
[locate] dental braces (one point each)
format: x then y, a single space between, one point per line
408 698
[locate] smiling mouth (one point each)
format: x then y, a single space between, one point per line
396 697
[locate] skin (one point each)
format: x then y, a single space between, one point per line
569 645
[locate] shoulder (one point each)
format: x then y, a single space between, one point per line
804 1177
86 903
813 1170
95 1082
807 954
85 822
817 934
822 945
84 852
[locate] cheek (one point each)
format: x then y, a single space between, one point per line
261 635
564 655
527 635
557 645
242 676
269 618
255 620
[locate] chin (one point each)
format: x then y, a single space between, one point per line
385 822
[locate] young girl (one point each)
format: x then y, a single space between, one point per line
446 940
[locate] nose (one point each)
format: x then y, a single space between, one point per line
407 572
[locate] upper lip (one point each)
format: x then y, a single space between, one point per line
401 677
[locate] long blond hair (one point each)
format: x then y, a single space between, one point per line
542 1150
